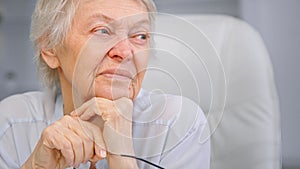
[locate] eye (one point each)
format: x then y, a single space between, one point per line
102 30
140 38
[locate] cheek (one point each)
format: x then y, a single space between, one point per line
141 66
141 60
138 83
141 76
88 61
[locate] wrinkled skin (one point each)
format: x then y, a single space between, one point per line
100 72
86 135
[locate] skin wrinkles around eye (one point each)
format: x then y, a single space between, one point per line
140 38
101 30
139 33
99 21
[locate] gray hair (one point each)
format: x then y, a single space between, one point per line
50 23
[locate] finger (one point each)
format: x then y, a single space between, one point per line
62 163
99 144
88 110
124 107
54 139
76 144
124 101
77 137
87 138
80 110
90 113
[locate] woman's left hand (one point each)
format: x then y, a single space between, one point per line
115 118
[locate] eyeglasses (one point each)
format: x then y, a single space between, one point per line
134 157
143 160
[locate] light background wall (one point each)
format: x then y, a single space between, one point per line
276 20
17 71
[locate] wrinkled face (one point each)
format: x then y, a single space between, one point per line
106 52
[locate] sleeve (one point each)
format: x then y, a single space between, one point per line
3 164
9 156
8 153
193 151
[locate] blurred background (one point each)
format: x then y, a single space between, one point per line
276 20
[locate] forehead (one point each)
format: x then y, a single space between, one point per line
115 9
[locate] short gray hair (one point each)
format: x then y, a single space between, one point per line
50 23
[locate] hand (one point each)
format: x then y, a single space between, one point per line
115 117
67 143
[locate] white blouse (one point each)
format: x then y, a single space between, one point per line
166 129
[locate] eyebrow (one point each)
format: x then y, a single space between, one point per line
100 16
108 19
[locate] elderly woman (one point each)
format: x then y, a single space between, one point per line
92 55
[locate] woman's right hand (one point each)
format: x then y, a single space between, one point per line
68 142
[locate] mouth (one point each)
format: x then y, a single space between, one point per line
117 74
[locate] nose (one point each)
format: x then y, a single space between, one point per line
122 51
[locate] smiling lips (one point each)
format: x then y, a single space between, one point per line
117 74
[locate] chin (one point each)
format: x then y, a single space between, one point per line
114 93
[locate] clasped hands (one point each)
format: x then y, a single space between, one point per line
87 134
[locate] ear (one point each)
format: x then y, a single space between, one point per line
50 58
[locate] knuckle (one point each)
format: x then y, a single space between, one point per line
57 123
67 118
77 142
126 100
95 100
66 145
47 132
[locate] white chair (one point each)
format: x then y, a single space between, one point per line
232 81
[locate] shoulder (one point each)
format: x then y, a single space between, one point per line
166 123
167 108
23 98
22 118
25 107
26 101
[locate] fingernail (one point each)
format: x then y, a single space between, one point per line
73 113
103 153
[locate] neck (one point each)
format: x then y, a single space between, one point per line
66 91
